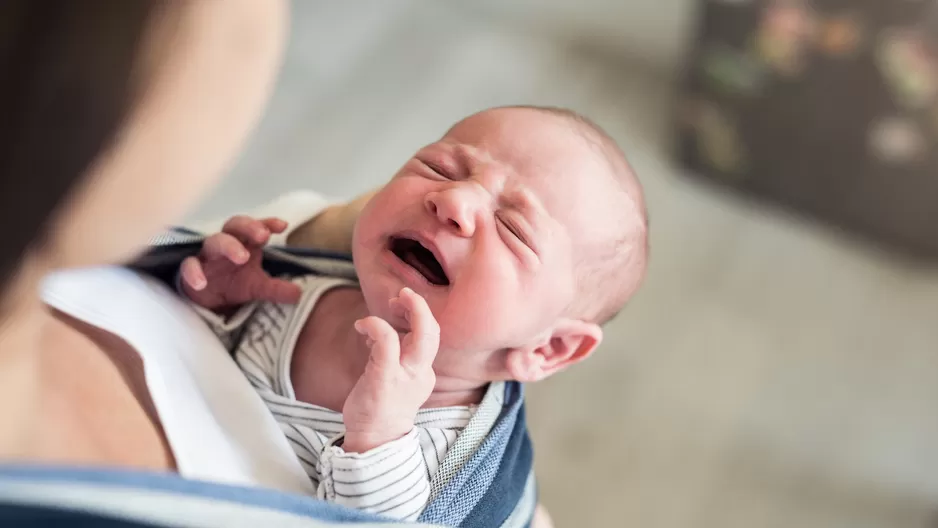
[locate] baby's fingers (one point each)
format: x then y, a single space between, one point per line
382 339
192 274
225 246
275 225
251 231
423 341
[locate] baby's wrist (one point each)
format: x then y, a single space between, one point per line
364 441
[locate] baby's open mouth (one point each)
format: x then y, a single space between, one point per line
421 259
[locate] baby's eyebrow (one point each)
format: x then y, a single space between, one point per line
525 200
469 156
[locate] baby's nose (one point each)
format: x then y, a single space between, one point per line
453 209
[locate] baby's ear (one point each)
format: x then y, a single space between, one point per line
570 342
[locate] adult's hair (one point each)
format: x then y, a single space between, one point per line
66 83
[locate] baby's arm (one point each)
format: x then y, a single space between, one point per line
380 465
332 228
391 479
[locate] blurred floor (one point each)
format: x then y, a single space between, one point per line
768 374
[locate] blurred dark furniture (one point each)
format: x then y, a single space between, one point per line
826 107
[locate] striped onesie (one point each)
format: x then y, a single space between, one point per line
392 479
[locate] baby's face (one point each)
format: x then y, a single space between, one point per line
484 224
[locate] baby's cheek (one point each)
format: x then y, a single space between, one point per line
480 318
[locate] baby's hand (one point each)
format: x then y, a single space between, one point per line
228 270
398 378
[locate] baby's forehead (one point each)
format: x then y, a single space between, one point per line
531 144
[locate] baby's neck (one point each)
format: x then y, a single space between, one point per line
330 346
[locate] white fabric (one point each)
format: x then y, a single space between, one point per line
217 426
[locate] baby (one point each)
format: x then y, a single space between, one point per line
494 254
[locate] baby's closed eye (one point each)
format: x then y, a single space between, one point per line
437 170
512 228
